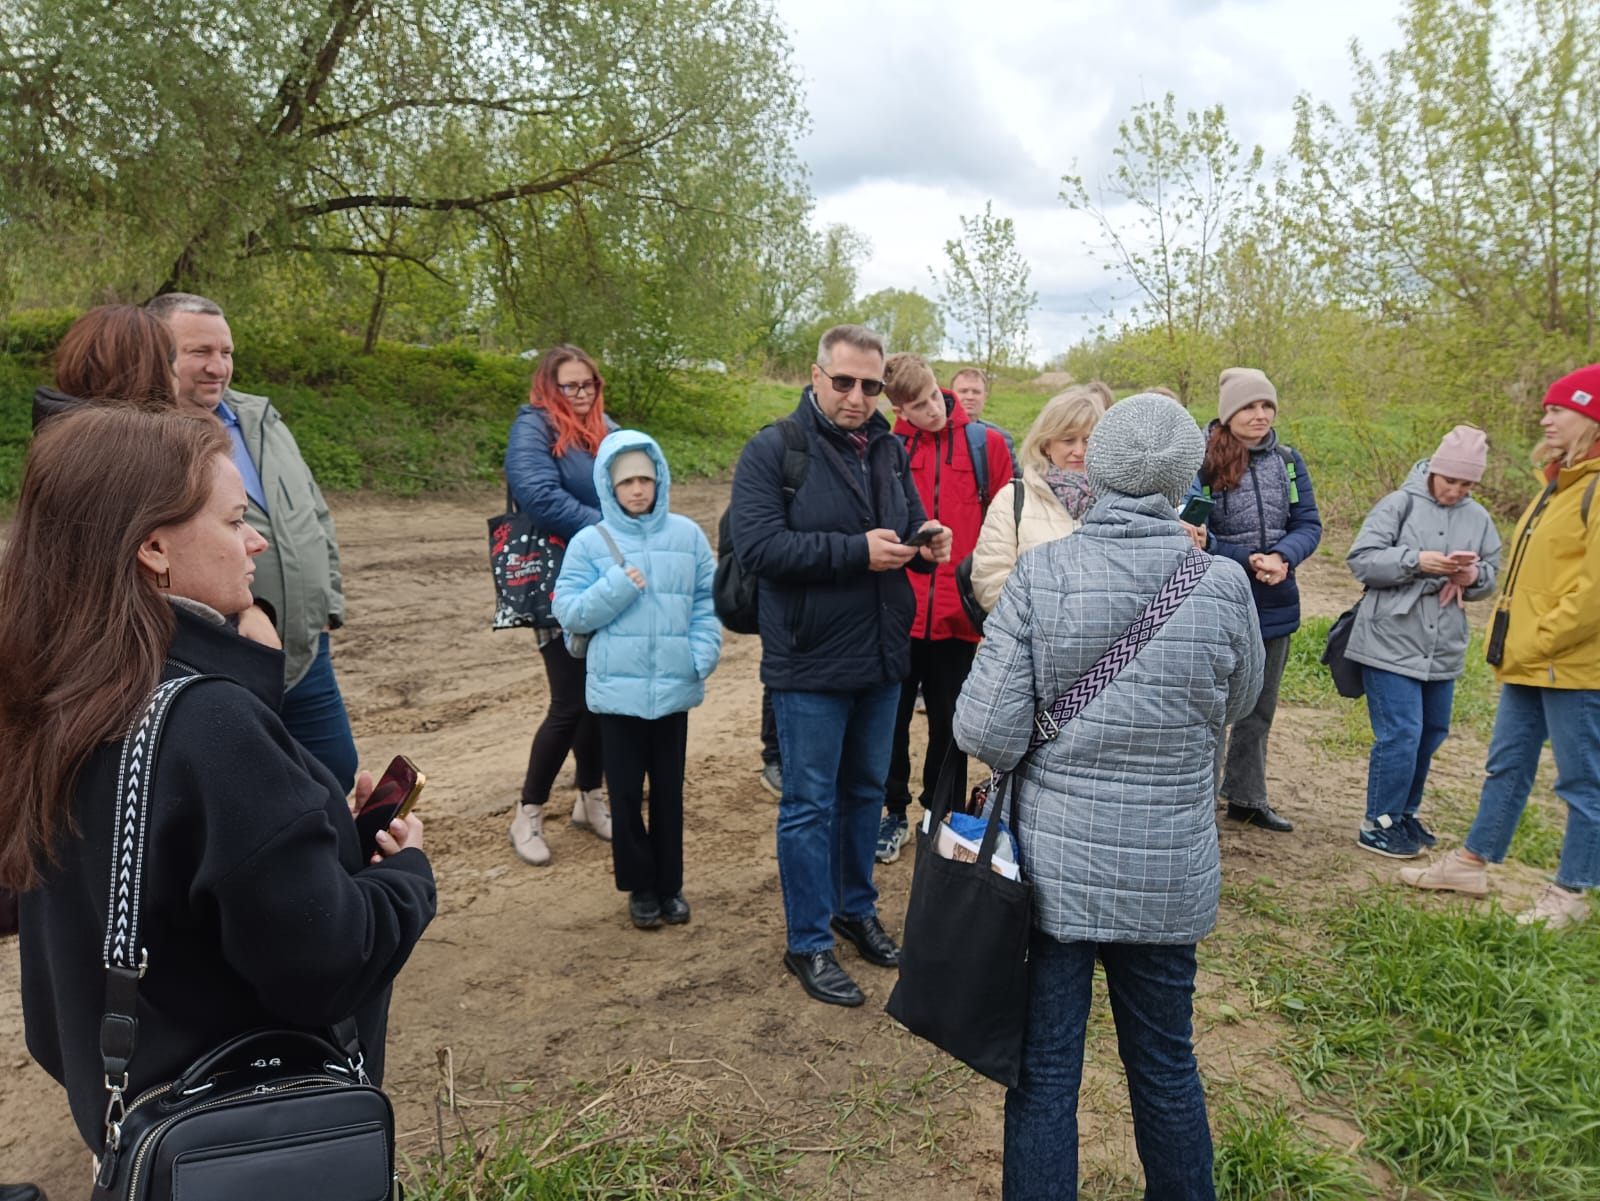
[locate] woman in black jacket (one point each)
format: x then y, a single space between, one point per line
128 554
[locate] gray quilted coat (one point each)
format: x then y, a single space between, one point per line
1117 815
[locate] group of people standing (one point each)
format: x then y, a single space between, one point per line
923 555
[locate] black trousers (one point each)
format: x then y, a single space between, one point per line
568 726
646 858
940 666
769 729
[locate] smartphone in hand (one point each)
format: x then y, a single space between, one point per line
396 792
924 536
1197 510
1464 558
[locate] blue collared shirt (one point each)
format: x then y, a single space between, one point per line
241 456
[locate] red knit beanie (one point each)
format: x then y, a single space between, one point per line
1579 392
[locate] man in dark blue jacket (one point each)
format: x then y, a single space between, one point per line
835 617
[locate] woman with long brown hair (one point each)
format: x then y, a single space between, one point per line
113 353
550 471
258 908
1265 519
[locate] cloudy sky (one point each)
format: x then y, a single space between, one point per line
924 109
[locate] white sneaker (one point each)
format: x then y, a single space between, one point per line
591 812
527 835
1556 908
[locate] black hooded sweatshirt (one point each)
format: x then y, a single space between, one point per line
257 907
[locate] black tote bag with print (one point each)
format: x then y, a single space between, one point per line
525 562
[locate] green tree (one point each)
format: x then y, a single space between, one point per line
908 320
1183 180
984 290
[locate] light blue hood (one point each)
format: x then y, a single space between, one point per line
611 512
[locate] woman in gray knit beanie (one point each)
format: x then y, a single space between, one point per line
1116 815
1265 519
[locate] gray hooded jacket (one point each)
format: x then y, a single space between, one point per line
1116 816
1400 625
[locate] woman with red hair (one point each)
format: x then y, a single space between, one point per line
550 471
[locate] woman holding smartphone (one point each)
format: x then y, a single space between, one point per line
258 909
1264 517
550 471
1422 553
1544 645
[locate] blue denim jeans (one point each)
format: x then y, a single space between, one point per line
835 748
1410 719
313 711
1152 1000
1570 718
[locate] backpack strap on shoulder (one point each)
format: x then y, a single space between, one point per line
1017 497
1588 499
978 452
796 455
1287 456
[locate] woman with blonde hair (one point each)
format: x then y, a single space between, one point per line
1544 646
1054 491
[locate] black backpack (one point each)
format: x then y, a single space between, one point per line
734 590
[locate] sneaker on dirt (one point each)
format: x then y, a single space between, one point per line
772 779
892 835
1421 832
1389 836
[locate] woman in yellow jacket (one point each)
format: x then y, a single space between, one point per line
1544 643
1055 491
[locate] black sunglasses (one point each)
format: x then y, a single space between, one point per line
842 384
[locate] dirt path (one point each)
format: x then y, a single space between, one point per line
535 975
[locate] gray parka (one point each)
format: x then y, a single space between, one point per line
1400 625
1117 815
298 573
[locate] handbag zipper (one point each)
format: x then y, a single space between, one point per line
260 1090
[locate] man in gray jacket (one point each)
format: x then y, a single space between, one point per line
297 576
1117 815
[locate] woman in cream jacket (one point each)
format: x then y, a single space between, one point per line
1055 491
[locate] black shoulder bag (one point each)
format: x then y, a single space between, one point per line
269 1114
1348 681
963 982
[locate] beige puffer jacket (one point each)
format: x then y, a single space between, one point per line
1002 539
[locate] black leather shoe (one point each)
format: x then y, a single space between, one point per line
645 910
21 1192
1268 818
674 909
871 939
823 979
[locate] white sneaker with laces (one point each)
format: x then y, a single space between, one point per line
591 812
527 835
1556 908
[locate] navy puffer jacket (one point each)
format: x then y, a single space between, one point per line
557 493
828 622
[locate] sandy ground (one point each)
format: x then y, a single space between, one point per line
535 976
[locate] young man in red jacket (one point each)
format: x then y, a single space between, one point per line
957 468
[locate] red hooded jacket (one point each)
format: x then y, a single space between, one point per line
941 468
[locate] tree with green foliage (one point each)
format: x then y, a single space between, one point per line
984 290
1183 180
590 169
907 319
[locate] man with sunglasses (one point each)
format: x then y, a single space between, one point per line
835 606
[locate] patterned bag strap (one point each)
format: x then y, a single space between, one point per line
1047 722
125 960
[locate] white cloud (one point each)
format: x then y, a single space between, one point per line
922 111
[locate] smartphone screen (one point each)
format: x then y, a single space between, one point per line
393 796
1197 511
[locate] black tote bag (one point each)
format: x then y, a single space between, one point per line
963 982
1347 681
525 562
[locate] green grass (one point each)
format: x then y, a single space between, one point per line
1262 1155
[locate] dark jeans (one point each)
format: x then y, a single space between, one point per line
769 730
1410 721
313 711
939 667
568 726
1152 1000
835 754
646 859
1244 764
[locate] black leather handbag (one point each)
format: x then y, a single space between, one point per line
269 1114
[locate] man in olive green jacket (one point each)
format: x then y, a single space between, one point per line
297 577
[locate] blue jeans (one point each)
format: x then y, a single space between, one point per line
313 710
835 748
1410 719
1570 718
1152 1000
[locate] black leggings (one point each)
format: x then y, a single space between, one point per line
568 726
646 858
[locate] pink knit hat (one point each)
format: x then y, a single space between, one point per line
1462 454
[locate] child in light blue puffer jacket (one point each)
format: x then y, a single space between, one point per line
645 600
